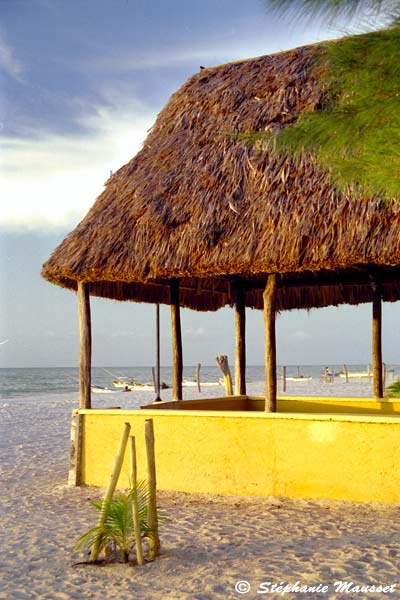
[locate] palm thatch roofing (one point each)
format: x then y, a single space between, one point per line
200 205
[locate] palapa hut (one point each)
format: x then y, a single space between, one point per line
202 219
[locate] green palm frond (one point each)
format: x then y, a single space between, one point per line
331 9
355 133
105 536
394 389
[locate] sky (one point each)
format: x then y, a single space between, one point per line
81 82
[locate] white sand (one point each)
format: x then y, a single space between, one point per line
211 542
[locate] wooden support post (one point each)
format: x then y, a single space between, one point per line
119 459
346 373
135 507
177 355
75 450
240 348
269 298
377 346
152 482
85 335
158 382
283 379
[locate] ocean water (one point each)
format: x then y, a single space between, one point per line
28 382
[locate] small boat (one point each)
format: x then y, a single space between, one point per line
122 382
356 374
98 389
142 387
189 383
136 386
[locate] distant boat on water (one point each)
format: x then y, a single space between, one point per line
142 387
98 389
129 384
363 374
123 382
356 374
189 383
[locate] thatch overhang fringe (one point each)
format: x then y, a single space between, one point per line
305 290
199 205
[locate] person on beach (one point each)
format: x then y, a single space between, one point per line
328 377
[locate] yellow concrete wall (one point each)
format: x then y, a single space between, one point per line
298 456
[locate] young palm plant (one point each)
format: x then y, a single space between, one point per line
117 534
394 389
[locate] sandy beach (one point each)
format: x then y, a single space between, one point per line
210 544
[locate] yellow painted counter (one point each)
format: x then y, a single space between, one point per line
253 453
290 404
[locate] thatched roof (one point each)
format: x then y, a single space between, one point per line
200 205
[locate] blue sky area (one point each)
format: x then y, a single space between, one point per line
80 84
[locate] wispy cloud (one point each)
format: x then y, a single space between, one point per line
159 59
301 335
51 181
195 332
251 36
8 61
123 334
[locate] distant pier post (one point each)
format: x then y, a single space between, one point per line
198 376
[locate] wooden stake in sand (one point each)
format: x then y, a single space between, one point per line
135 507
154 545
283 379
112 485
222 362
